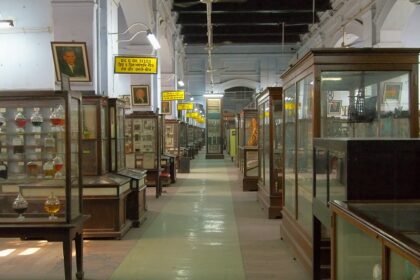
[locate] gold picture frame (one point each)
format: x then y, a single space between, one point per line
140 95
166 108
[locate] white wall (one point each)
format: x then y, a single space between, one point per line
25 57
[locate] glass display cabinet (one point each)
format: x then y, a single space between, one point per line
145 137
359 169
330 93
375 240
190 139
183 146
238 139
249 149
40 169
270 147
214 128
172 137
135 203
128 136
95 134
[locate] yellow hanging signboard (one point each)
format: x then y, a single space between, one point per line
135 65
173 95
185 106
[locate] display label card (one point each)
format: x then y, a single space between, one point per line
173 95
135 65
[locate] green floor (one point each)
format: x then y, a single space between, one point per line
194 237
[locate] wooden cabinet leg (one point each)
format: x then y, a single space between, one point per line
67 251
79 255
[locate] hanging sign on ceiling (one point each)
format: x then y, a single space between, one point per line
185 106
135 65
173 95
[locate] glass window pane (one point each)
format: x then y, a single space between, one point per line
402 269
290 148
304 152
277 111
261 167
267 150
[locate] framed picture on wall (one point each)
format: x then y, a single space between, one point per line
70 58
334 107
140 95
166 108
392 91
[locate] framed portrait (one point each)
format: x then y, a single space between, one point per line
140 95
334 107
392 91
166 108
70 58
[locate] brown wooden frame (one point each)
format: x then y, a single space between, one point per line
116 104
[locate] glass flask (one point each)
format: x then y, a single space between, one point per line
33 169
58 166
20 205
2 122
20 121
52 206
49 144
48 169
36 120
57 118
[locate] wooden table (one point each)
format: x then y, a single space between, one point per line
53 232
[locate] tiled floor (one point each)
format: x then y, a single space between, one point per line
204 227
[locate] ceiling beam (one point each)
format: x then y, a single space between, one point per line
222 29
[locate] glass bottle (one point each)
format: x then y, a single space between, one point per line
52 206
58 166
48 169
36 120
2 122
57 118
49 144
20 205
33 169
20 121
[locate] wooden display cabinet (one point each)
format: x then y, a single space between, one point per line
330 93
183 143
248 149
172 143
238 139
190 141
40 140
136 205
95 135
146 147
375 240
270 147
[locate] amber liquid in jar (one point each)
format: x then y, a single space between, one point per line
52 208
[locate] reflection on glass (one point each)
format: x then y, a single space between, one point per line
251 163
365 104
358 255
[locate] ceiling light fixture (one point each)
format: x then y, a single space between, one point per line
192 98
150 36
153 40
181 83
331 79
6 23
213 95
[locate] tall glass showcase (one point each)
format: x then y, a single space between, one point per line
270 147
146 147
248 129
375 240
190 141
214 128
40 169
95 134
340 93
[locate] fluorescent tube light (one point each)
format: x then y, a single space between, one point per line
181 83
152 39
8 23
331 79
213 95
192 98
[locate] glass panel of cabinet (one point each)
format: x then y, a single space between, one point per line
40 161
249 149
270 171
117 134
172 137
237 144
95 134
375 240
341 93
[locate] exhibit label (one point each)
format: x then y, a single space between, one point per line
173 95
185 106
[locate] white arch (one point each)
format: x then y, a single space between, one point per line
238 83
391 22
353 32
